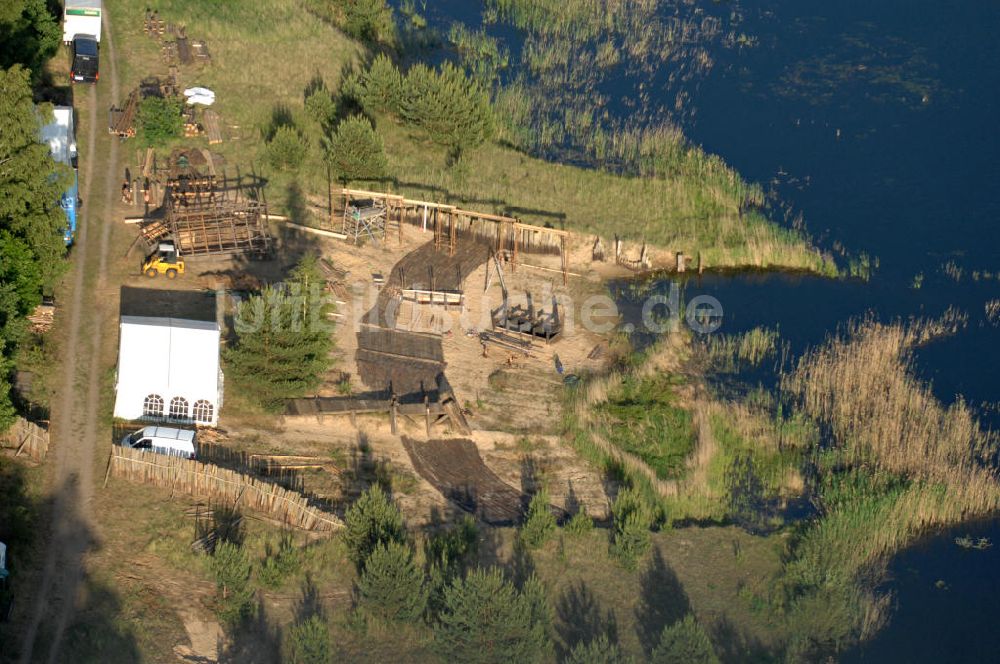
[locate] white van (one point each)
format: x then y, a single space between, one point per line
162 440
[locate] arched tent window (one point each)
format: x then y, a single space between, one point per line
179 408
203 411
152 406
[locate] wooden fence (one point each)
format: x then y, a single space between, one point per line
26 438
204 479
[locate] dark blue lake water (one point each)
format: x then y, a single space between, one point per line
877 122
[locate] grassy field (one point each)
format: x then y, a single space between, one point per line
265 57
149 577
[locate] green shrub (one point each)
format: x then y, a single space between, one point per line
356 152
287 149
540 524
321 107
598 651
159 120
368 20
308 642
279 564
231 566
632 519
579 524
372 520
392 587
684 642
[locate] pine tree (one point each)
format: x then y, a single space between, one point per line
485 619
379 87
684 642
355 151
632 520
372 520
392 587
308 642
283 340
232 566
540 524
452 108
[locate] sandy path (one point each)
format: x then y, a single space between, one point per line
75 415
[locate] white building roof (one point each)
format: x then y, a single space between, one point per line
167 356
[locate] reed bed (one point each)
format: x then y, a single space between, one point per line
897 463
228 486
862 385
730 352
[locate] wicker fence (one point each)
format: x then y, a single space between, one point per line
203 479
26 438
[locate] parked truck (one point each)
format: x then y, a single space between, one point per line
81 17
58 135
82 31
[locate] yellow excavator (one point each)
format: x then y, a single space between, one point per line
165 260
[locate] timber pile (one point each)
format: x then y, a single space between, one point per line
153 26
507 342
212 128
121 120
42 317
200 50
236 489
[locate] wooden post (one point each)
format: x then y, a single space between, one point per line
392 414
680 261
399 224
701 267
454 232
513 258
565 260
427 416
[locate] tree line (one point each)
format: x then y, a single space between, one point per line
31 182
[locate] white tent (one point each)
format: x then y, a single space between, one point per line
168 369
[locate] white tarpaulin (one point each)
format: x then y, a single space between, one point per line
202 96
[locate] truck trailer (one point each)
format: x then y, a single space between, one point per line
81 17
58 135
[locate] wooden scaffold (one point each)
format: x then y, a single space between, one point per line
508 236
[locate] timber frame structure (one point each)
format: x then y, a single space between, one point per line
208 215
508 236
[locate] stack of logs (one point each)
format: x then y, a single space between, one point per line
42 317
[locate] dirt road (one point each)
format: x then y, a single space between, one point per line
76 403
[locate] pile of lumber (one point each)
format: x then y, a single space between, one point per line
42 317
121 120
